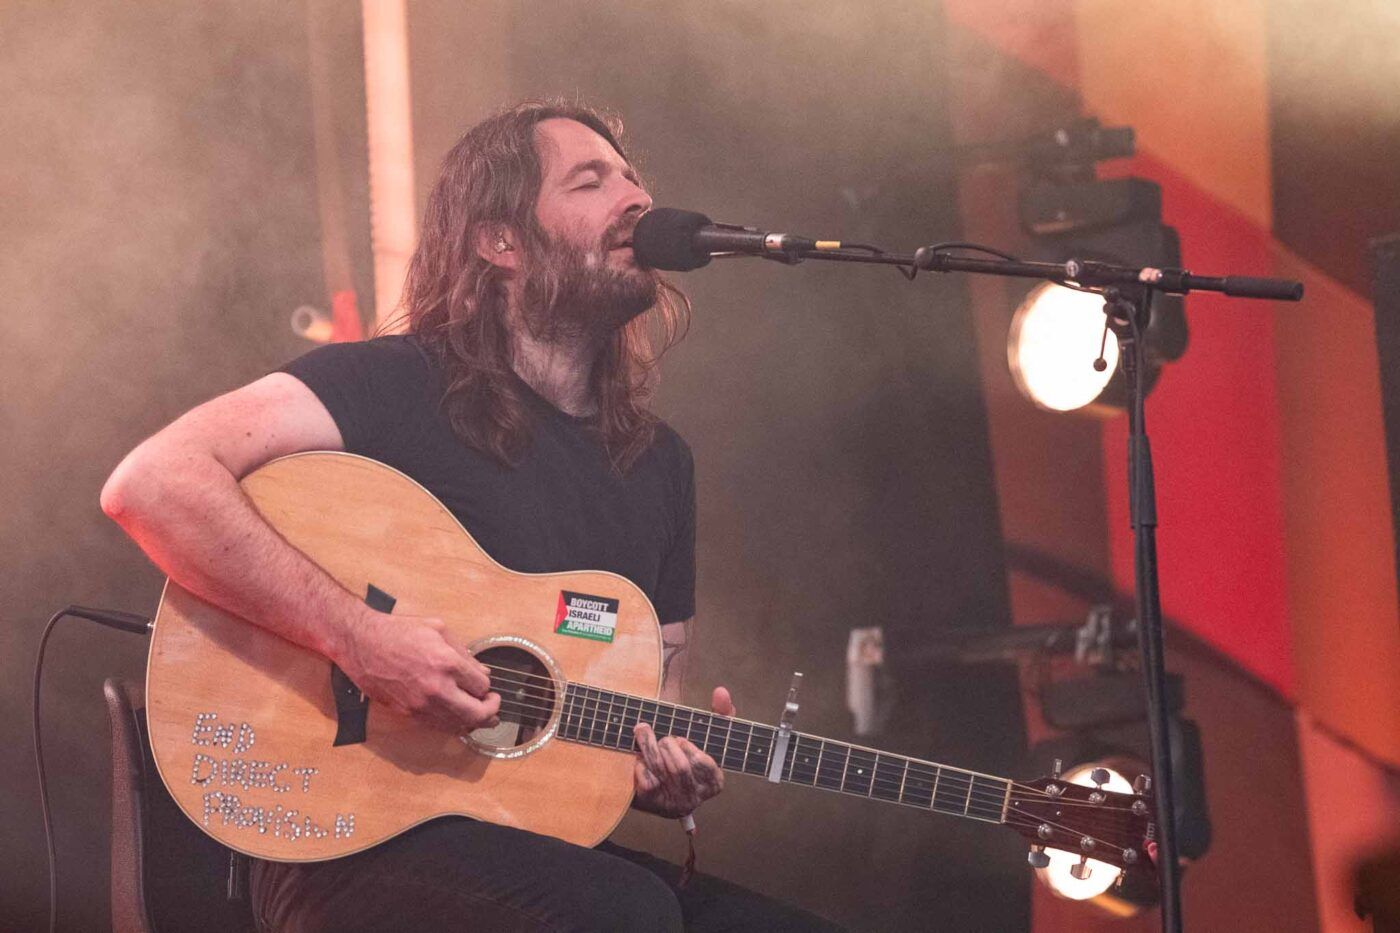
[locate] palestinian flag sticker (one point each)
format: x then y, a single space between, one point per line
585 616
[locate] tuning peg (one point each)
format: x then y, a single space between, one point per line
1037 857
1142 784
1099 776
1059 766
1080 870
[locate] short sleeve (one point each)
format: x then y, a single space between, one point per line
675 584
367 386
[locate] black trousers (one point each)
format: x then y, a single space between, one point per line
459 874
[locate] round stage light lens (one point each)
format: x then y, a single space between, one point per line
1054 340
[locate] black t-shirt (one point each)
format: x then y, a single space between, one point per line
563 507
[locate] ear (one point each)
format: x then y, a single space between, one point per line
497 245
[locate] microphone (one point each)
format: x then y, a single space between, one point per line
678 241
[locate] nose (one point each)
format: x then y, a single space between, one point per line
636 201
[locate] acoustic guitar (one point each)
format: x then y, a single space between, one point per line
270 748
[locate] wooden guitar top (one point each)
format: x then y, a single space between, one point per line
244 724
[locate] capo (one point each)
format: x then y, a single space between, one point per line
780 746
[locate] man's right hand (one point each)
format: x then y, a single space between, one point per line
406 663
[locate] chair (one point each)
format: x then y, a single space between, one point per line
166 874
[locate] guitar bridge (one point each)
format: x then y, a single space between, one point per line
351 704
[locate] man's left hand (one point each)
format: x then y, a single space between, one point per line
672 776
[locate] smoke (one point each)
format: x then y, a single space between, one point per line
158 226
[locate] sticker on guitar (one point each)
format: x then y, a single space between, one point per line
585 616
209 771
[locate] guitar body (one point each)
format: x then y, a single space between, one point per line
244 725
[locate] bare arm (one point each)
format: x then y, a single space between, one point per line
675 643
177 496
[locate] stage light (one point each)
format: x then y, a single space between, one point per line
1097 886
1054 341
1056 332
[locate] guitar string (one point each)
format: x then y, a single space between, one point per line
980 796
1007 817
580 717
1026 792
1004 815
593 721
544 681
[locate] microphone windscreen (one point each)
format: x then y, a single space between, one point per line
665 239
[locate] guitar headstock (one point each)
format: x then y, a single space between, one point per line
1090 822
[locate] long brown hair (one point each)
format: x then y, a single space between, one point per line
455 301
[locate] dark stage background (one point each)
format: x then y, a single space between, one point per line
161 226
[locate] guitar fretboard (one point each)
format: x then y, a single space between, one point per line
606 719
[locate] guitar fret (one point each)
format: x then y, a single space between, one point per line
888 777
598 726
860 772
725 756
714 745
952 791
662 725
763 749
620 739
607 719
917 790
648 713
623 731
831 771
801 768
605 713
724 746
570 726
585 721
612 728
629 723
992 794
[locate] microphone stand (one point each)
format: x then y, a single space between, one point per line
1127 293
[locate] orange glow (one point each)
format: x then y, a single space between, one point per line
388 105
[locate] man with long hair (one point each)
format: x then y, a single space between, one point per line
517 397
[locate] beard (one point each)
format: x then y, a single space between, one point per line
572 294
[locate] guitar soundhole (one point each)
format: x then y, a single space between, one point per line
527 697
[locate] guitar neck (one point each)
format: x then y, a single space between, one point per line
605 719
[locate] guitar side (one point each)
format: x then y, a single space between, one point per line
243 723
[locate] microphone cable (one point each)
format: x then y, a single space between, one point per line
112 618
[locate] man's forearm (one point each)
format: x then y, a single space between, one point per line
675 646
187 512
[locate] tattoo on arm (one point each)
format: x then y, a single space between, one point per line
675 641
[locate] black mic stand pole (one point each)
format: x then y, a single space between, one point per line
1129 311
1127 293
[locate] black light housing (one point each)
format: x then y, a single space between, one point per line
1116 221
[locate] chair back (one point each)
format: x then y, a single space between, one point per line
166 874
